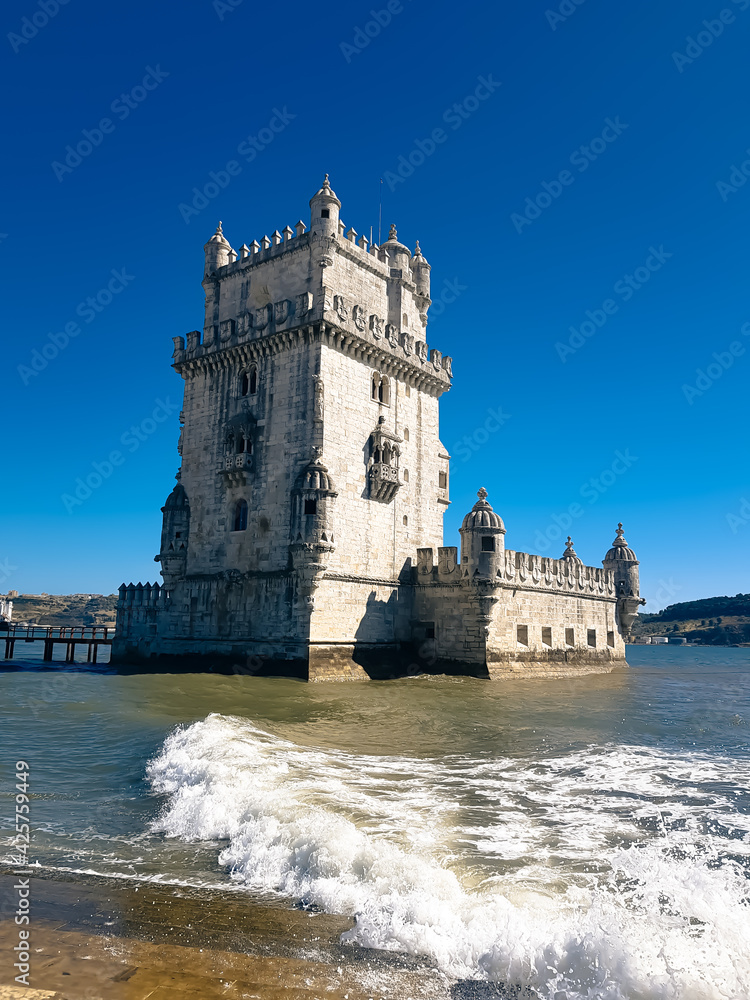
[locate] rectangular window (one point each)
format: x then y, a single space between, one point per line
591 636
325 213
488 543
443 480
522 634
546 636
569 637
311 506
610 638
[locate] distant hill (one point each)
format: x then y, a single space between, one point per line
70 609
715 621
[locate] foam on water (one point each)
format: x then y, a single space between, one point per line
617 872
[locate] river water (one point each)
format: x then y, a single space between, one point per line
585 838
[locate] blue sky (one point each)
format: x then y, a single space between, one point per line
582 188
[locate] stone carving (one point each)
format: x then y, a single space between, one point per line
407 342
226 329
340 307
421 350
282 311
447 559
358 315
244 324
263 317
326 260
424 562
436 357
391 334
304 303
319 400
376 327
448 365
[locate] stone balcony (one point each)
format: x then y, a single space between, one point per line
384 482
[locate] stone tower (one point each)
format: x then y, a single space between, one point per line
301 536
312 468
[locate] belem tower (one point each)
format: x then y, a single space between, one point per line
304 535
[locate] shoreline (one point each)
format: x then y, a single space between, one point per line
117 939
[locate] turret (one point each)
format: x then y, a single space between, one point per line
624 563
482 540
324 211
421 270
312 538
399 254
174 536
218 252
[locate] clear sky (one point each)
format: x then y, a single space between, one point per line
575 180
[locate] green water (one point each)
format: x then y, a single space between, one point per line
572 834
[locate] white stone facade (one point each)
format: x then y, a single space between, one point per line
311 474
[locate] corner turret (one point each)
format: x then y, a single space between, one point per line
174 536
482 541
218 252
324 211
624 563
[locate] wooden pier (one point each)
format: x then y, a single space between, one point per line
91 636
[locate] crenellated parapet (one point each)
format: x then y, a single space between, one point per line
332 283
516 571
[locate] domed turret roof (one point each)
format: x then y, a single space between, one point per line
482 517
418 257
219 237
177 498
315 477
620 550
570 553
392 243
326 192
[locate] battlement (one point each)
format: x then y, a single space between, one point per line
328 283
518 570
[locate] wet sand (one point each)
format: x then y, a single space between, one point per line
102 939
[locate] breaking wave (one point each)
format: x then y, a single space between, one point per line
613 872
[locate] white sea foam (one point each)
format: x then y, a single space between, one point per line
614 872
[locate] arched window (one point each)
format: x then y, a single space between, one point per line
374 390
406 433
240 516
406 321
384 391
249 382
244 444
